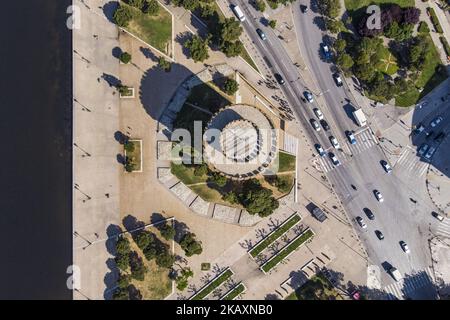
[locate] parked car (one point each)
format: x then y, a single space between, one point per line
279 78
436 121
430 153
419 128
326 51
315 124
378 195
386 166
379 234
318 113
337 79
369 213
334 159
308 96
350 137
334 142
303 8
437 216
261 34
325 125
441 135
319 149
404 246
422 149
361 222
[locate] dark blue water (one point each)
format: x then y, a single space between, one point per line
35 162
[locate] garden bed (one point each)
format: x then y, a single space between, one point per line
135 155
234 292
211 286
287 250
272 237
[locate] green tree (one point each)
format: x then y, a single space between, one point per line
182 279
273 24
129 164
423 27
230 30
345 62
136 3
230 87
122 261
219 179
165 259
168 232
201 170
122 16
198 48
365 71
190 5
260 5
399 32
164 64
334 26
124 281
151 7
123 246
232 49
207 11
256 199
330 8
129 146
231 197
144 239
340 45
190 245
138 269
125 57
121 294
150 252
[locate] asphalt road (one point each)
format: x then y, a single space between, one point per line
398 217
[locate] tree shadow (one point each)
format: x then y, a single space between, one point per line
148 54
320 23
181 38
131 223
121 137
109 9
111 80
116 52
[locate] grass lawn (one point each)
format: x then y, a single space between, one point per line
428 79
210 287
287 250
352 5
289 223
155 30
286 162
240 288
186 174
135 155
208 194
387 63
156 284
317 288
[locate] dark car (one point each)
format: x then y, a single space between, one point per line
279 78
261 34
325 125
379 234
303 8
369 213
439 137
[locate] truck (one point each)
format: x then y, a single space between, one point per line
395 274
360 118
238 12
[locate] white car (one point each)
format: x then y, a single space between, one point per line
315 125
378 195
361 222
437 216
404 246
318 113
423 148
436 121
334 159
334 142
386 166
430 153
308 96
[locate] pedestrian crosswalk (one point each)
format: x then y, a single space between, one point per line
408 286
327 165
409 161
444 228
364 140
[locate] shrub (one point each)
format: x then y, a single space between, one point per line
231 197
434 19
445 44
423 27
164 64
151 7
182 279
129 146
125 57
201 170
230 86
219 179
260 5
136 3
273 24
190 245
122 16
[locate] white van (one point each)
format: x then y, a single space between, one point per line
238 12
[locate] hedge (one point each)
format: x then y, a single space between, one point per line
286 251
206 290
445 44
275 235
233 293
434 20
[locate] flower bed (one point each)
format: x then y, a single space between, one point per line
287 250
263 244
